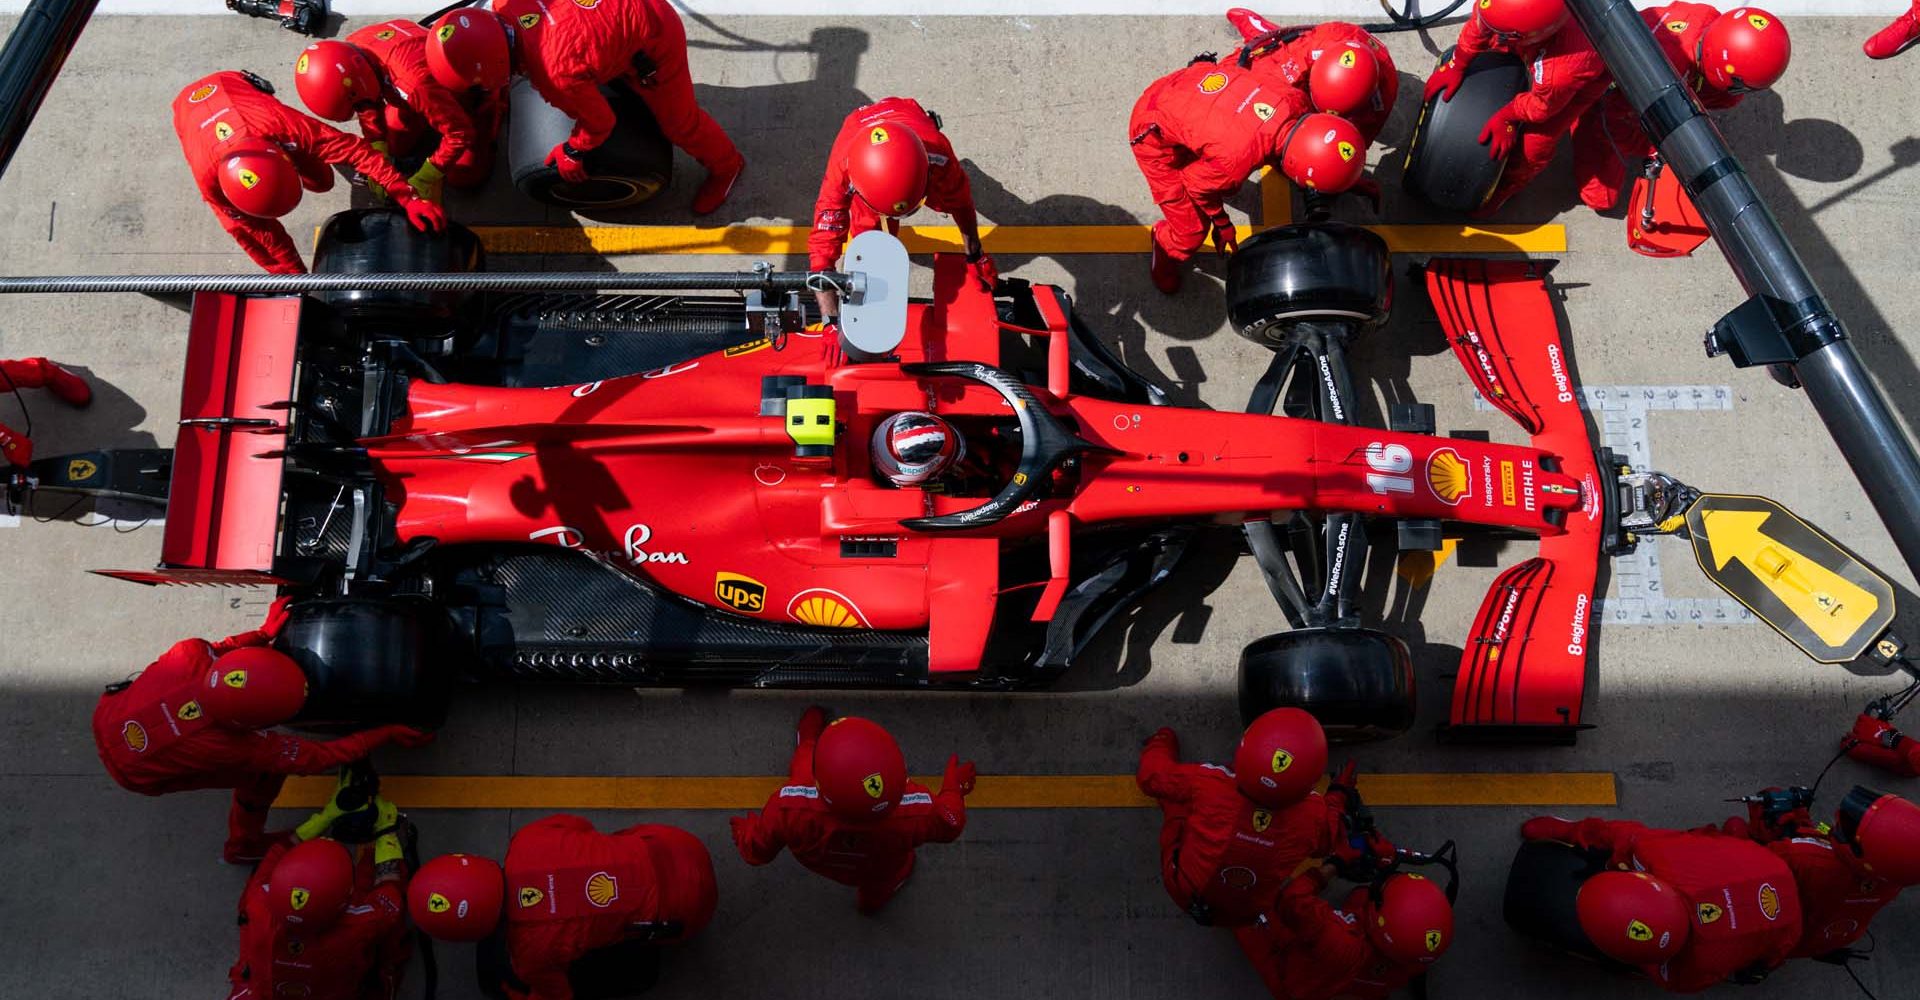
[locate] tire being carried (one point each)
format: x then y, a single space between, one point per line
633 165
1447 167
1357 681
1321 271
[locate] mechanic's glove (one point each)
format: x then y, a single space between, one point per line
829 302
959 776
983 270
403 736
421 213
380 195
319 182
320 822
386 824
1368 188
426 182
1342 792
1549 828
1226 239
277 614
1166 737
566 159
380 146
1445 80
1500 133
742 828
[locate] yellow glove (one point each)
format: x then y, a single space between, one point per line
319 823
380 146
426 182
386 846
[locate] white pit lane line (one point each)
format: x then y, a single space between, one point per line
1363 11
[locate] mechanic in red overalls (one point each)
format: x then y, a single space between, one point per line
1875 740
16 449
1199 132
251 155
888 159
849 812
194 718
1568 77
317 925
569 891
1897 37
1377 941
379 75
1343 68
568 50
1229 839
1688 908
1721 57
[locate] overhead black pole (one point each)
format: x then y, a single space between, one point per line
1786 322
33 56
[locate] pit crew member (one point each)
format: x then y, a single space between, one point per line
1378 940
16 449
1343 68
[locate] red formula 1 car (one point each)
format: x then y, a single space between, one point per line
655 489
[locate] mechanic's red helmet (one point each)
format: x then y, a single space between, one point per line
1883 832
1412 922
1524 21
889 170
1633 917
1744 49
1323 152
915 448
469 49
334 79
258 178
1280 757
1343 80
858 768
457 897
253 687
310 885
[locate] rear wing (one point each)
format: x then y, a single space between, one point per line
223 505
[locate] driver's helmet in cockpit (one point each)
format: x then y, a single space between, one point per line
915 448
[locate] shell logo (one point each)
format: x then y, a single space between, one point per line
1759 22
531 896
1448 476
602 888
1213 83
136 736
528 20
878 137
202 92
1281 761
1769 901
825 608
1261 820
1639 931
875 785
188 712
586 4
1434 940
1708 913
301 65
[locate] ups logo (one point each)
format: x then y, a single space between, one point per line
741 593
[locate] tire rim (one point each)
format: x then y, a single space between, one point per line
600 191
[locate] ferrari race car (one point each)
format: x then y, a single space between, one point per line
678 490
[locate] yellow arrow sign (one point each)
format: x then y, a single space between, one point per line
1829 604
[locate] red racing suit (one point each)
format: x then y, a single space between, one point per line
1747 914
567 50
1838 898
30 373
1301 46
1223 858
839 215
1308 950
572 889
416 104
361 957
1608 140
876 858
1198 133
1568 77
153 739
215 110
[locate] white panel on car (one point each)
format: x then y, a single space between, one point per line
875 322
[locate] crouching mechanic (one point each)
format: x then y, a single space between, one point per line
889 158
251 155
567 51
318 924
1342 67
1688 909
1568 77
574 909
849 812
1722 58
379 75
1199 132
1229 839
16 449
194 718
1378 940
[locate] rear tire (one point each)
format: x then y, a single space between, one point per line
1542 887
1326 271
1357 681
1447 167
380 241
633 165
370 662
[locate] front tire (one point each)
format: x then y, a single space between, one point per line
1357 681
1317 272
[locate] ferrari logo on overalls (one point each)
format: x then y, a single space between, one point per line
1434 938
531 896
1709 913
235 678
1346 151
1759 21
383 35
602 889
295 946
875 786
437 903
1264 112
1484 4
878 137
1639 931
1676 26
1261 820
298 898
188 712
248 180
1213 83
222 131
79 469
528 20
1347 59
1281 761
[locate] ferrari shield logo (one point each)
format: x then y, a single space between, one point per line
295 946
188 712
1759 21
437 903
222 131
1263 111
528 20
301 65
1709 913
875 786
382 36
1434 939
1484 4
878 137
1281 761
234 679
445 32
249 179
1676 26
79 469
202 92
1347 59
298 898
1213 83
1346 151
531 896
1639 931
1261 820
602 889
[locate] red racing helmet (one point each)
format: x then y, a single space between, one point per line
1883 832
1412 922
1323 152
457 897
258 178
1633 917
1743 50
335 79
1343 80
858 768
470 49
1524 22
915 448
889 170
310 885
253 687
1280 757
